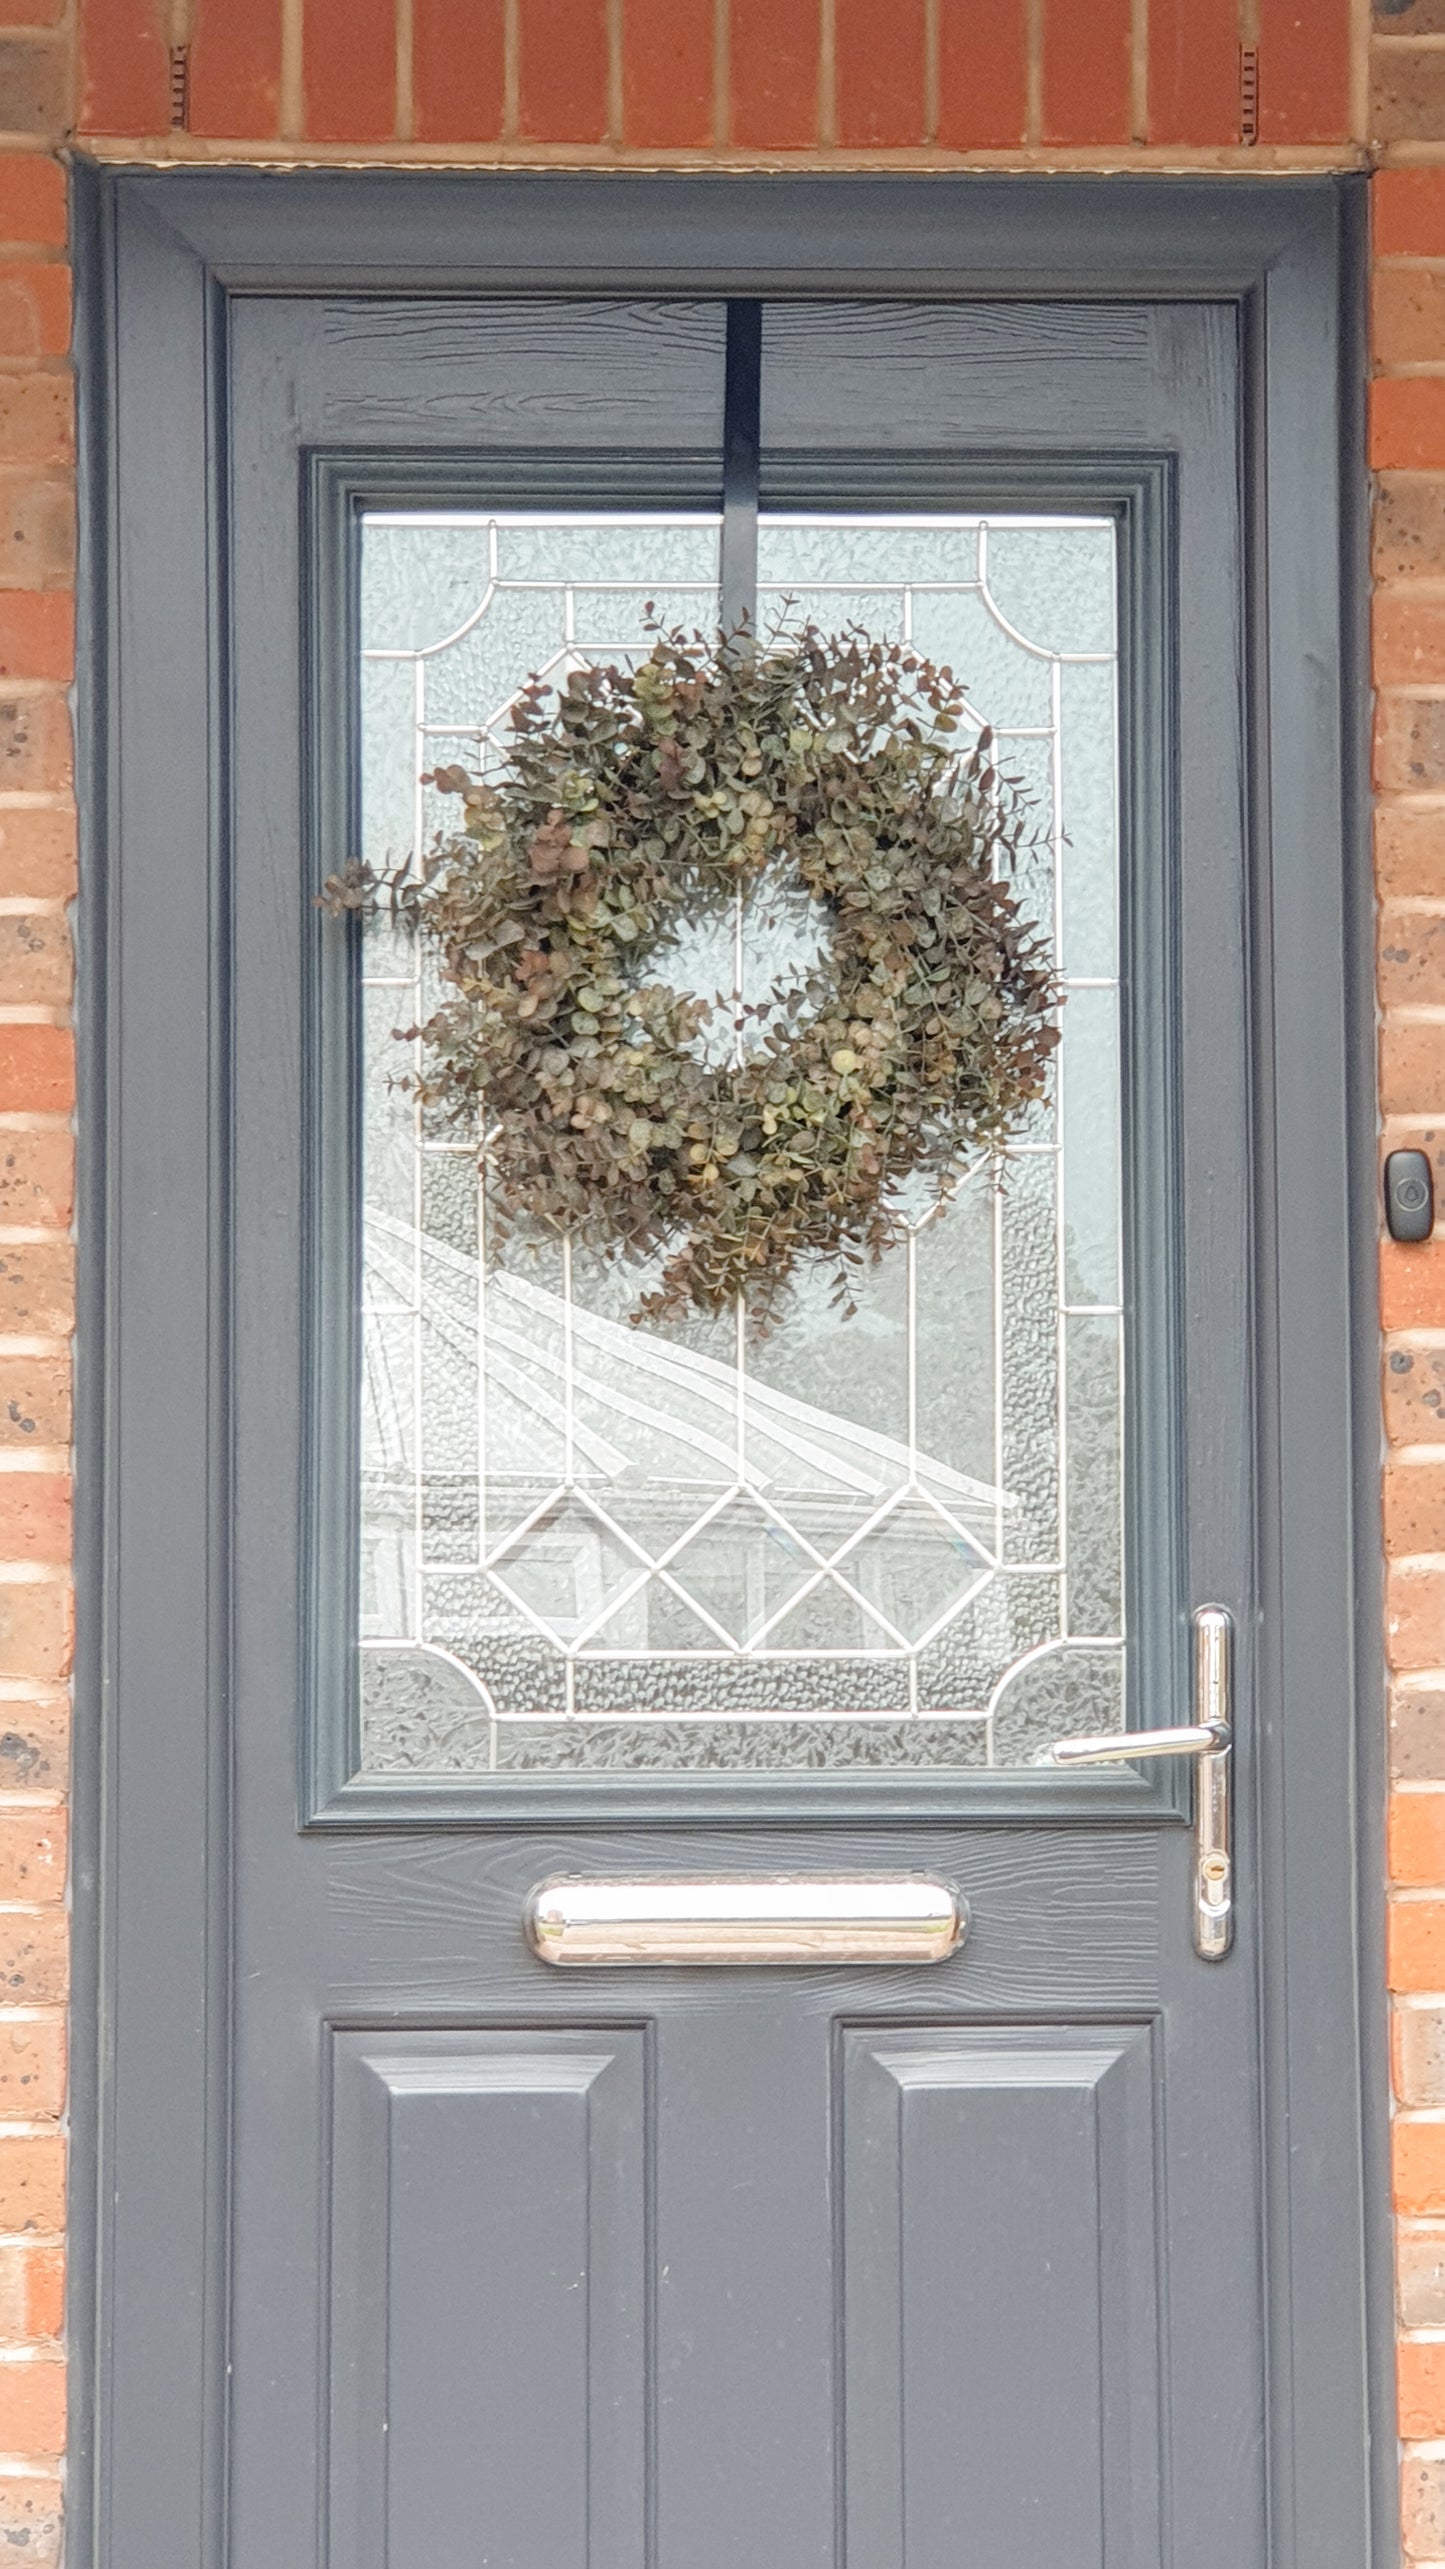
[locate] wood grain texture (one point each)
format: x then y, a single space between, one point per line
978 374
1067 1919
505 375
1066 1922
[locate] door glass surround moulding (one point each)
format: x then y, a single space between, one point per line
889 1542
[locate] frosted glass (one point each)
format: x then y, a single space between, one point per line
1029 1359
415 591
388 760
722 1688
1094 1494
1054 584
1090 1084
626 620
855 1543
472 681
739 1748
641 555
865 552
1016 1614
1089 810
784 600
1008 687
1065 1687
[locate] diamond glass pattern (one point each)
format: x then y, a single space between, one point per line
915 1568
742 1567
567 1568
860 1543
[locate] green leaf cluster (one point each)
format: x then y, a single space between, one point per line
642 798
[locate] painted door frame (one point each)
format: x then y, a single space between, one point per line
161 254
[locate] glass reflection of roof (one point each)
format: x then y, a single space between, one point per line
643 1407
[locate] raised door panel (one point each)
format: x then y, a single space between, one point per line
488 2299
1000 2323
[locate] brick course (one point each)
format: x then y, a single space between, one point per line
771 78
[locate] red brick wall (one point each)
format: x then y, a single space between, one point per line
663 79
37 876
887 83
37 1093
1407 435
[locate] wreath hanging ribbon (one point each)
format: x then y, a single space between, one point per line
641 800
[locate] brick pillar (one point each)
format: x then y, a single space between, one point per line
37 880
1408 451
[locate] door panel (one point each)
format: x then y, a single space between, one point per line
1000 2327
775 2191
489 2286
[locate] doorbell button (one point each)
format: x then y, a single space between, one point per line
1409 1195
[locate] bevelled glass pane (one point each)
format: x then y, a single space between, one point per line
889 1538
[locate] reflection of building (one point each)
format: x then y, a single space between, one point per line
639 1497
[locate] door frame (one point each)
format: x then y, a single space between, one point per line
160 256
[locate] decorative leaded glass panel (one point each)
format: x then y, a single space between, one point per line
886 1541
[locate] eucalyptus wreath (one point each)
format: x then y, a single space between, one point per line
639 800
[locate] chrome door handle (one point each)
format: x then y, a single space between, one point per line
1210 1739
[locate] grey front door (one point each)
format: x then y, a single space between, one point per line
908 2264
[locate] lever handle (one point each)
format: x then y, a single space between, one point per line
1209 1738
1186 1739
